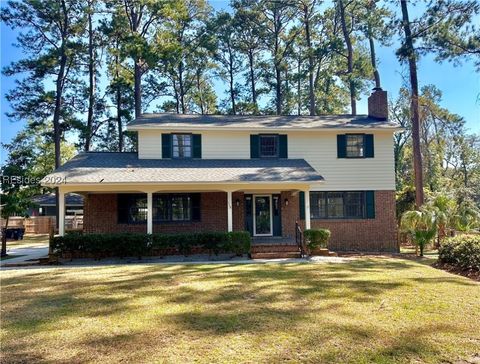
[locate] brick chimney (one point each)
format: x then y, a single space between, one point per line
378 104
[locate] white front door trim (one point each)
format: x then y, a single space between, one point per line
255 216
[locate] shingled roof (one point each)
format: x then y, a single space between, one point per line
272 122
95 167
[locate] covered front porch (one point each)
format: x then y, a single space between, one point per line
268 211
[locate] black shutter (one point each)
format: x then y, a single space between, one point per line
370 204
166 145
369 149
123 205
301 202
254 146
197 145
195 199
341 146
283 146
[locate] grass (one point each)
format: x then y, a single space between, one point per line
367 310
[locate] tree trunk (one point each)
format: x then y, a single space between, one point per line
231 81
376 74
311 88
348 43
199 88
91 80
4 238
412 65
299 88
118 99
182 90
138 88
278 90
252 79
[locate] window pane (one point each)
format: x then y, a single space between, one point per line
354 204
317 205
268 146
355 146
137 209
181 208
335 204
182 146
160 208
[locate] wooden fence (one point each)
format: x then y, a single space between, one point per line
42 224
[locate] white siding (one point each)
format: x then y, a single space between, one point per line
319 148
225 145
150 144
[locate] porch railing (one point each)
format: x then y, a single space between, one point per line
299 240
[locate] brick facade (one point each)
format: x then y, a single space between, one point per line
368 235
379 234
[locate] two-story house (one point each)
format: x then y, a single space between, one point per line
254 173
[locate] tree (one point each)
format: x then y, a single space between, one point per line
226 53
407 51
421 226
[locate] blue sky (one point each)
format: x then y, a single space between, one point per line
460 85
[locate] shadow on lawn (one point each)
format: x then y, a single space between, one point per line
224 299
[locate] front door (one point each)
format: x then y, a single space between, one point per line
262 215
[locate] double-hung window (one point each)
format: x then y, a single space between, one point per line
355 145
182 145
268 146
338 205
176 207
132 208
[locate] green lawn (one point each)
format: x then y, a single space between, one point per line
28 240
367 310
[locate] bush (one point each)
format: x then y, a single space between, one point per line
462 251
239 242
316 238
134 244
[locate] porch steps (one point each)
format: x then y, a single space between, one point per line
274 251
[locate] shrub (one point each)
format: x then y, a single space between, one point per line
239 242
462 251
134 244
316 238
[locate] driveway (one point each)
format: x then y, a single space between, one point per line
25 252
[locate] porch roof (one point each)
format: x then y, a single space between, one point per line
113 168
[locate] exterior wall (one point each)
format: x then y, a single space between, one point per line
319 148
368 235
149 145
345 174
100 216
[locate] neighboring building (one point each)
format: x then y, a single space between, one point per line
255 173
46 205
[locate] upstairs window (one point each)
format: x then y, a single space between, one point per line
355 146
181 145
268 146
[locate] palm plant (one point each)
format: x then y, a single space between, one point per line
443 207
421 226
467 217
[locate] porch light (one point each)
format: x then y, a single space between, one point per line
286 202
237 201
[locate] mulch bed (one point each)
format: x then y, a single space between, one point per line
470 273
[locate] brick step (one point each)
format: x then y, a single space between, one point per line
269 248
276 255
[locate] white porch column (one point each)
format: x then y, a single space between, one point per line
61 212
149 213
229 211
307 209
